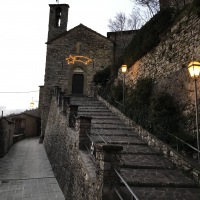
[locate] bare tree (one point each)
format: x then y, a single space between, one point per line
152 5
119 23
138 18
133 22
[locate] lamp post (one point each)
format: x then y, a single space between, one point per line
124 69
194 70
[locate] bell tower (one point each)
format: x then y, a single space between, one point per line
58 18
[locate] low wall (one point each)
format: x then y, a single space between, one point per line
191 169
17 138
6 135
61 143
80 176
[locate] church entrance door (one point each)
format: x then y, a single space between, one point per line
77 84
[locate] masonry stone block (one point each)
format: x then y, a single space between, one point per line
83 126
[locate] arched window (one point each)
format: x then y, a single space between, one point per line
58 16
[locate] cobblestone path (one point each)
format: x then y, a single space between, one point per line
148 173
26 174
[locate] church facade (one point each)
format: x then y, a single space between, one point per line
72 58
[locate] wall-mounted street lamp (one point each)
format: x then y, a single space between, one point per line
124 69
194 70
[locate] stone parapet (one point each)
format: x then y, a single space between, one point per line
107 160
83 127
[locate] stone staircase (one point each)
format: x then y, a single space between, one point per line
148 173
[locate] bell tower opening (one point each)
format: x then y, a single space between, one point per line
58 16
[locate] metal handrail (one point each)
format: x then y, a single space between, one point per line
183 142
102 138
116 101
117 192
126 184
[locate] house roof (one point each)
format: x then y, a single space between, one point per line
71 30
20 115
6 119
127 32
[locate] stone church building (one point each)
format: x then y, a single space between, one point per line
74 56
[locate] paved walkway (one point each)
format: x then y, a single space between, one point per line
25 173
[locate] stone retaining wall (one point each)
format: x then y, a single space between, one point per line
76 179
79 176
167 63
6 135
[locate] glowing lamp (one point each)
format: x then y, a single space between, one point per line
32 104
124 68
194 69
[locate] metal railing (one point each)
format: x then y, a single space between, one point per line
133 197
179 140
91 150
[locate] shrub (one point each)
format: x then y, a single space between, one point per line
102 77
164 113
138 100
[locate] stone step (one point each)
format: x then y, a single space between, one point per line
107 121
92 108
156 178
111 132
161 193
86 101
150 175
95 114
110 126
138 149
99 117
75 98
99 112
124 139
119 140
145 162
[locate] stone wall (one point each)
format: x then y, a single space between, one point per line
61 144
121 40
79 175
6 135
167 63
